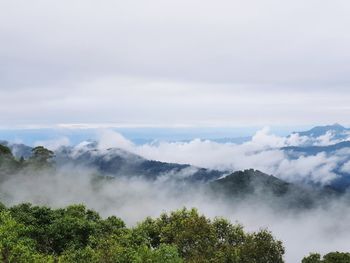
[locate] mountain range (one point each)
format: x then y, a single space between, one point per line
115 162
339 131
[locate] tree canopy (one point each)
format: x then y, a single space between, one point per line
41 158
76 234
41 155
332 257
4 150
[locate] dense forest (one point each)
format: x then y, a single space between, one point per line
31 233
76 234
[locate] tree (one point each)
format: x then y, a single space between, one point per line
199 239
312 258
261 247
4 150
337 257
166 254
41 157
71 228
229 239
333 257
79 256
190 232
8 164
15 246
42 154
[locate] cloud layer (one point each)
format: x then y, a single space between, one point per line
325 229
174 63
263 152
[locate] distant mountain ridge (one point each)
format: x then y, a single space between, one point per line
253 183
338 130
311 150
18 149
118 162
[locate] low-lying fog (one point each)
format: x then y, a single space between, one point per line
318 230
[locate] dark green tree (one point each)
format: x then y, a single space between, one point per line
15 245
4 150
337 257
199 239
8 164
42 154
312 258
261 247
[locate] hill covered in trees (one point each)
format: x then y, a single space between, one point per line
269 189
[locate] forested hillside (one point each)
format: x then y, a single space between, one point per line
30 233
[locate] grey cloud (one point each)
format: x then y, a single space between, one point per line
63 61
226 41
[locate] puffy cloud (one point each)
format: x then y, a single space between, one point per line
345 167
111 139
315 168
326 139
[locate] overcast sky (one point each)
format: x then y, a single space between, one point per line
174 63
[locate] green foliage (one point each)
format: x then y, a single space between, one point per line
4 150
202 240
333 257
76 234
336 257
41 157
261 247
312 258
166 254
8 164
79 256
15 245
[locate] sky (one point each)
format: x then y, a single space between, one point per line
160 63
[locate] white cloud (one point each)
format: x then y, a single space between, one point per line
326 139
345 168
263 152
316 168
54 144
111 139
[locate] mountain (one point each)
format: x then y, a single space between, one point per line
312 150
255 184
252 184
117 162
18 149
338 131
340 152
